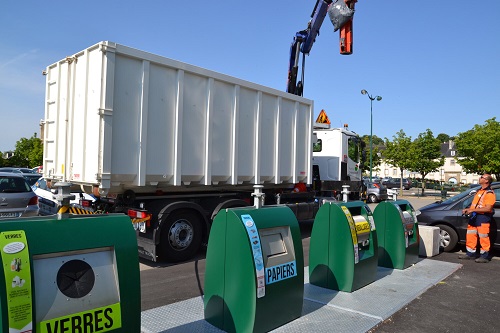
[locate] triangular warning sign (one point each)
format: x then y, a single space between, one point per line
323 118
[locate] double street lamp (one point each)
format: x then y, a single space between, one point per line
378 98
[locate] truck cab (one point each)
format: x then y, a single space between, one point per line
336 160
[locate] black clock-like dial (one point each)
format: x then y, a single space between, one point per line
75 278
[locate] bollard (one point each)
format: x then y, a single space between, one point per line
345 193
395 195
63 198
258 196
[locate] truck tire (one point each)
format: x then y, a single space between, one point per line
181 236
448 238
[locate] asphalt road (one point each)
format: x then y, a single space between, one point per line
467 301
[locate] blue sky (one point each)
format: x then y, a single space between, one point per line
435 63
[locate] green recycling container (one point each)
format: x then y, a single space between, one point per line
76 274
343 248
254 276
397 231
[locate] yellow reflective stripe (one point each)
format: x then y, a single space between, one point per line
80 211
63 209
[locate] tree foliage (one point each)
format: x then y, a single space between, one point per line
365 154
398 152
442 137
28 153
479 148
425 155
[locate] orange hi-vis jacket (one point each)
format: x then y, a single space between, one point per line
483 197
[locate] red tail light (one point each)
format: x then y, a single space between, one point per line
376 185
137 214
33 201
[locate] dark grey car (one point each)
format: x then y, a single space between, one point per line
447 215
396 183
17 199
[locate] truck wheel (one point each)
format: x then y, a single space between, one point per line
449 238
372 198
181 236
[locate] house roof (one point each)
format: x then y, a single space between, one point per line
449 149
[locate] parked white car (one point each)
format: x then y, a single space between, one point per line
47 203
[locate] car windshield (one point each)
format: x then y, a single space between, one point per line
13 185
459 197
32 180
26 170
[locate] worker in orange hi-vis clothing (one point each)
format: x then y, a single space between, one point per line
480 214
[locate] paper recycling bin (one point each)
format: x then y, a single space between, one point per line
79 274
343 248
254 277
397 231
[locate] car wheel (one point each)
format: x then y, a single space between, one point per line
372 198
448 238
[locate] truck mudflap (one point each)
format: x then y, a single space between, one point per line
146 248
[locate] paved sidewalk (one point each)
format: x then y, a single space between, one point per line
324 310
466 301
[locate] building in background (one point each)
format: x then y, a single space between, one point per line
450 172
7 154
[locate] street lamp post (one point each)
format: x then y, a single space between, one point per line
378 98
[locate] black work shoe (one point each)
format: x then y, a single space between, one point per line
482 260
466 257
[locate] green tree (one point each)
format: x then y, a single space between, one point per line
425 155
398 152
442 137
365 152
28 153
479 148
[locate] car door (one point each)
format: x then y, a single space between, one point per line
462 222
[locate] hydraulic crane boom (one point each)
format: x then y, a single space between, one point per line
304 39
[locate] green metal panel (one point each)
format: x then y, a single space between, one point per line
231 292
48 237
398 234
336 260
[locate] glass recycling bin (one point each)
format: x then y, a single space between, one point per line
397 231
254 276
77 274
343 248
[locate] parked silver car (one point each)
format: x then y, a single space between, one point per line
375 192
17 199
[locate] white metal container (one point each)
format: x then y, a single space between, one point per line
119 118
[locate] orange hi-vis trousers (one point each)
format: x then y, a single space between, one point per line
471 240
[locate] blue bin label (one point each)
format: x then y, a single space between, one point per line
281 272
253 236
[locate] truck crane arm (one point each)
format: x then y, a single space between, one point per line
304 39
